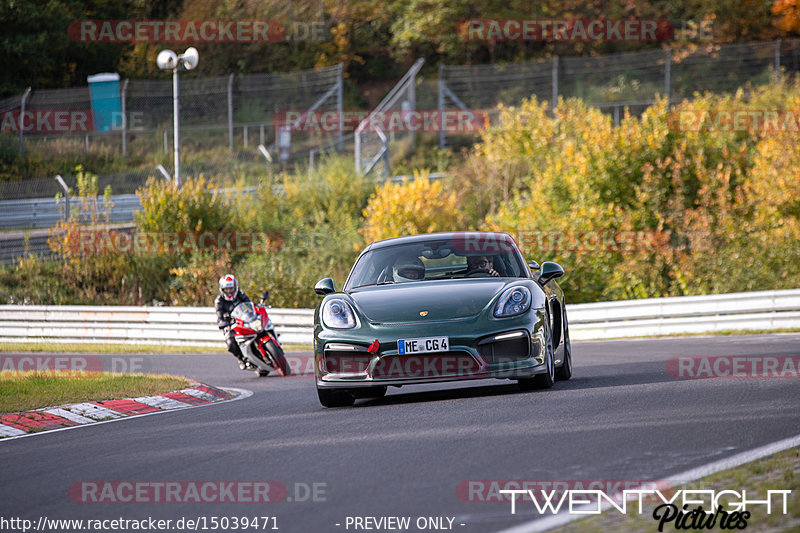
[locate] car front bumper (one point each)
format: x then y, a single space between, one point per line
510 348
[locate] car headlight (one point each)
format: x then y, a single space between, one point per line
338 314
514 301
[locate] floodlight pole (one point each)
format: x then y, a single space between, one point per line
168 60
176 126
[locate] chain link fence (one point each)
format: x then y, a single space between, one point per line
374 140
228 117
235 111
614 82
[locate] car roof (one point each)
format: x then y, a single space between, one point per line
431 236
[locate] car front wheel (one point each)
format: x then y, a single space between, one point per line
546 379
565 372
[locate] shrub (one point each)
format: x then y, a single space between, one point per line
318 220
721 205
195 206
411 207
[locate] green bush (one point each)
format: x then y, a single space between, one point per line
318 219
705 201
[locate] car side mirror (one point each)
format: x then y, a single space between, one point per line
265 296
550 270
324 286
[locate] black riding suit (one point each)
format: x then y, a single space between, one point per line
224 309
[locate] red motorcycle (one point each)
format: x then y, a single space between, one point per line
256 337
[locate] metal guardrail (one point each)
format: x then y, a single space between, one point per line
46 212
24 244
197 325
685 314
15 245
176 326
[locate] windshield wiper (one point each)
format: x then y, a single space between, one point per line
387 282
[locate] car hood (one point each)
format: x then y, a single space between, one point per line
443 300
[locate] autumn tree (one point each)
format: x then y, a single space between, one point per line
412 207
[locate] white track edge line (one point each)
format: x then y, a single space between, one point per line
242 394
551 521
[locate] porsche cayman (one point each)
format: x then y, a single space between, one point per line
440 307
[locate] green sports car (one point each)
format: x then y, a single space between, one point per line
440 307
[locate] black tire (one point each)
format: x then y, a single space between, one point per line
370 392
335 398
545 380
564 372
278 358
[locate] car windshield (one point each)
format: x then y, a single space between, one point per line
435 260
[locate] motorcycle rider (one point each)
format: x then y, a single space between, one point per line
229 297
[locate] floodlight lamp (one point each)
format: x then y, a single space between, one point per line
190 58
167 60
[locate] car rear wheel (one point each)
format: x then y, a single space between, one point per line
335 398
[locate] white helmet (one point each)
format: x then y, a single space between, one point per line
228 287
408 270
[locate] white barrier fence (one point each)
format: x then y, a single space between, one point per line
192 326
196 326
763 310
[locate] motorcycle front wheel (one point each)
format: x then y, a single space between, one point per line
275 353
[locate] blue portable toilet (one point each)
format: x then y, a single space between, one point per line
106 104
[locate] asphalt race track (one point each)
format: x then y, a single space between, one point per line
410 454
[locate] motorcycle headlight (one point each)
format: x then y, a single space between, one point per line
514 301
254 325
338 314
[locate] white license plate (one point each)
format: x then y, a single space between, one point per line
423 345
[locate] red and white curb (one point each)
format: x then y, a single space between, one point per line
76 414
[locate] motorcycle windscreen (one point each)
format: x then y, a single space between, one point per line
245 311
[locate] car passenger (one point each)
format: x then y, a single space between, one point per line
408 269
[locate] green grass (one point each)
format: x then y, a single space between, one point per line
109 348
24 391
777 472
